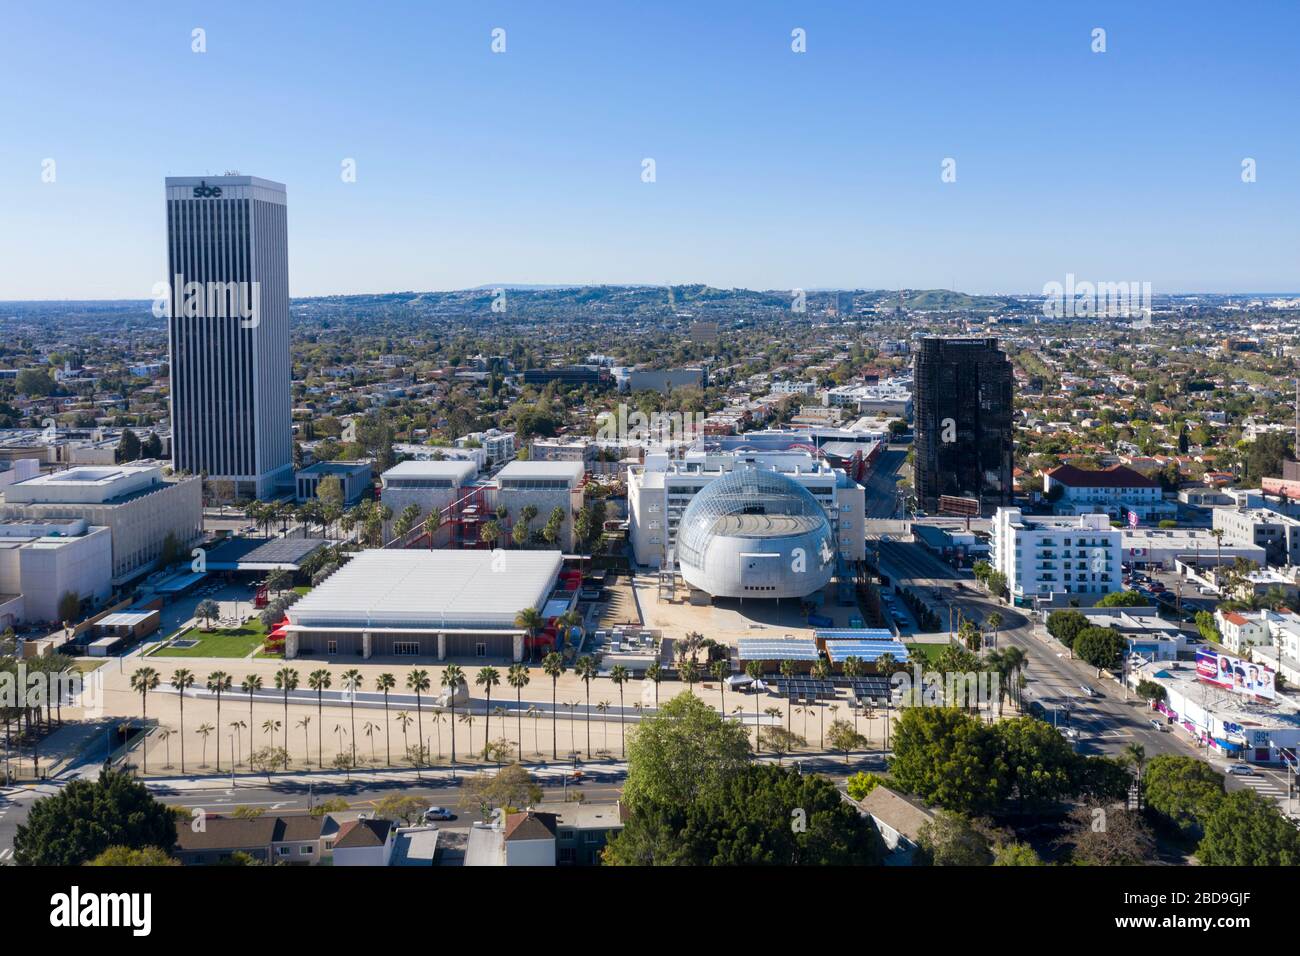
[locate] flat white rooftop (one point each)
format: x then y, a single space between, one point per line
431 469
431 590
84 484
532 470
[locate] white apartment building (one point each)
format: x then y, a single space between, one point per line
497 445
1112 491
659 490
884 398
1242 630
1277 534
136 503
42 560
1054 559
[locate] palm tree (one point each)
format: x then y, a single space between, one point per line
620 676
994 621
207 609
351 681
572 706
517 677
319 681
166 733
418 682
439 718
488 677
251 683
144 680
754 670
369 728
719 670
270 727
304 722
182 680
467 719
239 726
386 682
404 719
553 667
1136 754
655 673
204 731
452 678
1218 534
342 732
852 668
218 683
602 708
530 620
586 668
534 713
822 671
286 681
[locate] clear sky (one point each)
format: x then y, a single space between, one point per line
774 169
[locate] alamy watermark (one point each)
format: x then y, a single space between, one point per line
1084 299
633 425
209 300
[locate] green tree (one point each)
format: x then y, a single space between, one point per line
1244 829
1041 768
553 667
69 607
684 750
1016 854
1099 646
1123 599
948 758
950 839
86 817
760 815
144 680
1181 791
126 856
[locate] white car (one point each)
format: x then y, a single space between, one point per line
1241 770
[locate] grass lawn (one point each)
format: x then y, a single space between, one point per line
220 642
931 651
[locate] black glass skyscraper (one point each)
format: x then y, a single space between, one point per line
963 407
227 252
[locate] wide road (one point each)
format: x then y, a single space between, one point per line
881 496
1106 722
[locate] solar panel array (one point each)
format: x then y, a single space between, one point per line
873 687
806 688
769 649
854 634
866 651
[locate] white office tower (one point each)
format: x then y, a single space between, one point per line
227 251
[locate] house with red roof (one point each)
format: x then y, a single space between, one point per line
1114 491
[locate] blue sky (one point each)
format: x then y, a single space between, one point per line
774 169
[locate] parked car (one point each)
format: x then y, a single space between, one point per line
1158 725
438 813
1087 691
1241 770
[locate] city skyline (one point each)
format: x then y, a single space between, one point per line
820 169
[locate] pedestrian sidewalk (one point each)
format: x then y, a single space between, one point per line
555 771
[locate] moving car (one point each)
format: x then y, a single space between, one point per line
438 813
1087 691
1241 770
1158 725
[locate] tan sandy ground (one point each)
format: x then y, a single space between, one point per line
372 731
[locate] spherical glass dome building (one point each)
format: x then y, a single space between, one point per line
755 533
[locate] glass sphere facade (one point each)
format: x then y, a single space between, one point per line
755 533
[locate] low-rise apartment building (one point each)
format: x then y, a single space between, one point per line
1055 559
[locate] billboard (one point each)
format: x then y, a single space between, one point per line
963 507
1234 674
